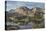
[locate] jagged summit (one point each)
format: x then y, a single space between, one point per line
22 10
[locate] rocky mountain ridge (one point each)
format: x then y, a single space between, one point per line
26 11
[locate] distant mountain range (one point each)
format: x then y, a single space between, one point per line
25 11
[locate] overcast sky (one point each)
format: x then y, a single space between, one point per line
14 4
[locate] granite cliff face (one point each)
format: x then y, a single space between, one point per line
29 12
22 10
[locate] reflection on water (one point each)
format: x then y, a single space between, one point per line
14 26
